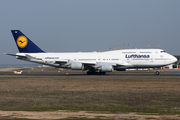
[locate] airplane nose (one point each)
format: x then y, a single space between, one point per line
174 59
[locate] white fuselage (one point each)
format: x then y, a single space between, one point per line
127 58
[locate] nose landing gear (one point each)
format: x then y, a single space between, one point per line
157 72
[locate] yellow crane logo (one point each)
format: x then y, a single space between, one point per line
22 41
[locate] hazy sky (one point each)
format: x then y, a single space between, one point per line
90 25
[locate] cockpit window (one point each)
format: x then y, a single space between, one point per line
163 51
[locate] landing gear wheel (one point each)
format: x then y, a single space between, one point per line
102 73
88 73
157 72
92 73
95 73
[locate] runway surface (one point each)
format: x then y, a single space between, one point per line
168 73
84 75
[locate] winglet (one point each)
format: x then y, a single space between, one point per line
24 44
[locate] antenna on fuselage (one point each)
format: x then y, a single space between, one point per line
148 46
116 48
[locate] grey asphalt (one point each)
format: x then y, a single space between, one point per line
84 75
168 73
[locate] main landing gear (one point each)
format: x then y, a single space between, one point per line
95 73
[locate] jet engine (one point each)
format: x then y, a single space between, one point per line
107 68
77 66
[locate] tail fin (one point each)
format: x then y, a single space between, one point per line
24 44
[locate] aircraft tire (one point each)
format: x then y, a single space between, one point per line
92 73
88 73
157 72
96 73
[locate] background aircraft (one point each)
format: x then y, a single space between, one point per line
16 72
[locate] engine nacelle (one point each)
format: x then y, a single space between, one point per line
107 68
77 66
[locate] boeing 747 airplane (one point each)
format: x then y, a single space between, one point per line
92 62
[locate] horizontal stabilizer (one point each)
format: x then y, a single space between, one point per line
14 55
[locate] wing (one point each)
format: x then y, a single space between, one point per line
17 56
30 58
65 63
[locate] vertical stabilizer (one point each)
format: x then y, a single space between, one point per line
24 44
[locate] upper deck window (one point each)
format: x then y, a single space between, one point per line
128 52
